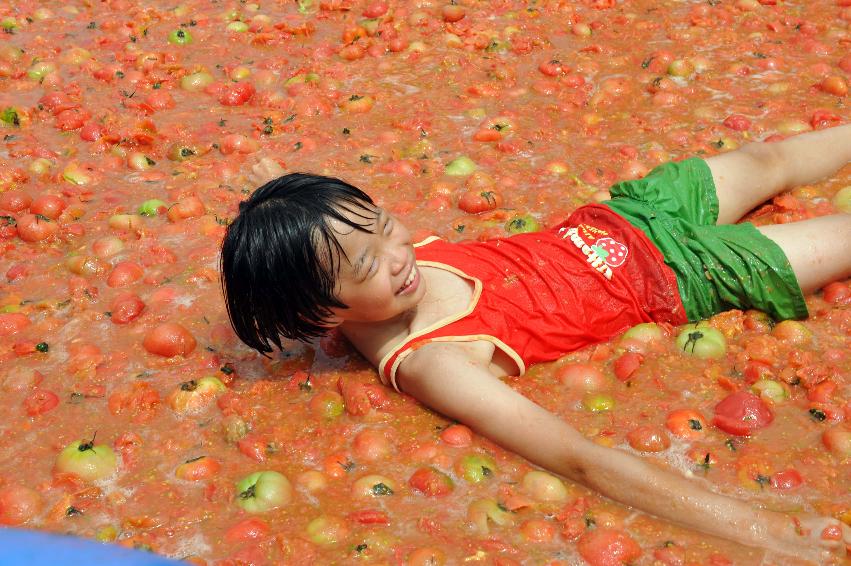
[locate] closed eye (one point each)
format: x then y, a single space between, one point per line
388 226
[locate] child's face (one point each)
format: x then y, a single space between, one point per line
381 280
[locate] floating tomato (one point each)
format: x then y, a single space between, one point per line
742 414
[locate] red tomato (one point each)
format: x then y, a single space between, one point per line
457 435
369 517
248 529
12 323
50 206
124 273
200 468
431 482
626 365
648 438
92 131
169 339
742 413
40 401
787 479
187 207
475 201
607 547
237 94
36 228
126 308
71 119
837 293
18 504
15 201
375 9
737 122
253 446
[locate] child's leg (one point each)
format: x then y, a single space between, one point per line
753 174
818 249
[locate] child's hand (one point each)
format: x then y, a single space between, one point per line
264 171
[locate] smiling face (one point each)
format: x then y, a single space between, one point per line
380 280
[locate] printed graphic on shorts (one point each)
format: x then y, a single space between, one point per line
603 254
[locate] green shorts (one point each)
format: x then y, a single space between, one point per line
732 266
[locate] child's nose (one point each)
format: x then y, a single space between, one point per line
398 259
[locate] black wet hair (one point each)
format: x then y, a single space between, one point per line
280 259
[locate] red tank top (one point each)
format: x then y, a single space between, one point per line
540 295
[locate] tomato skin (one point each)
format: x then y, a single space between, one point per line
36 228
125 273
169 339
457 435
71 119
837 293
15 201
188 207
604 546
369 517
742 413
627 364
375 9
787 479
249 529
431 482
40 401
237 94
475 201
648 438
737 122
12 323
126 308
199 469
18 504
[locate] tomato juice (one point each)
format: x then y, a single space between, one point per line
128 132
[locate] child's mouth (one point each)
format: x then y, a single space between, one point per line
413 277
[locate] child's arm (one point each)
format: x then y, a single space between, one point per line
444 378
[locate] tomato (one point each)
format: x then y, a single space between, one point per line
200 468
431 482
15 201
12 323
237 94
40 401
125 308
371 445
18 504
607 547
742 414
36 228
786 479
457 435
837 293
188 207
169 339
475 201
627 364
686 423
737 122
247 529
125 273
648 438
582 377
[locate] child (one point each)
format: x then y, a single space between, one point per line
442 322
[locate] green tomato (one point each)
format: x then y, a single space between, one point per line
644 332
842 200
40 70
196 82
262 491
238 27
460 166
326 530
87 461
598 402
476 468
702 341
152 207
522 223
180 37
482 511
